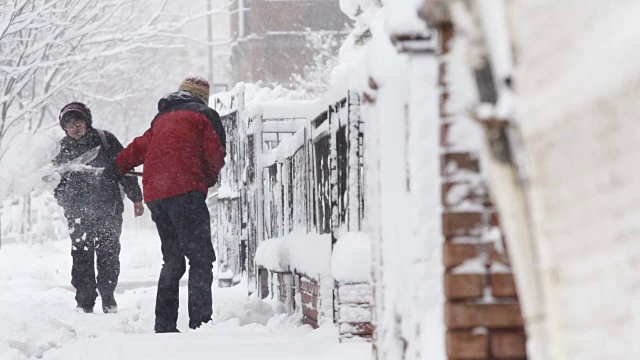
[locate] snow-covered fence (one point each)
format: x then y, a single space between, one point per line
300 188
32 218
229 209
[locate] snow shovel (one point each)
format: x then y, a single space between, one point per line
77 164
80 163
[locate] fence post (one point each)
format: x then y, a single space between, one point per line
334 126
258 150
354 212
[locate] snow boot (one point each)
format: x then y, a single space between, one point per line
109 305
85 309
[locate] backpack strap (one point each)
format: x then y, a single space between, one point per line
103 137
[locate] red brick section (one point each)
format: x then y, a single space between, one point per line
462 224
456 254
361 329
309 298
476 197
467 345
503 286
470 315
461 161
508 344
464 286
482 313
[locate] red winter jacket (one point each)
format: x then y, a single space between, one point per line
183 150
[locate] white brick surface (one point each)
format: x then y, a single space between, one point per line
570 52
585 174
354 313
355 294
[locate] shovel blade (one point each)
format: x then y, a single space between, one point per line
86 157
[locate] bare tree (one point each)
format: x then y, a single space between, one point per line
324 45
54 51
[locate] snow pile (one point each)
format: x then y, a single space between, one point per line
368 52
353 7
351 260
350 73
397 20
273 254
236 309
306 253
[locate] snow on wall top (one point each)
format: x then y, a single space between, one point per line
402 17
368 52
287 109
269 102
350 246
306 253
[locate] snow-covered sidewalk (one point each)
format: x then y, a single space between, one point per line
38 319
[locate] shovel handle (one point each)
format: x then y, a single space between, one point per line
134 173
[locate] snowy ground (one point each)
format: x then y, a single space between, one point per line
38 319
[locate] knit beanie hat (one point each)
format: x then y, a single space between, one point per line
74 110
197 86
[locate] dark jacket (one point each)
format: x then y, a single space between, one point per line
182 151
84 194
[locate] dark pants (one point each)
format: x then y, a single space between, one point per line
99 236
185 231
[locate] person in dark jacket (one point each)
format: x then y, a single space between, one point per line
183 152
93 207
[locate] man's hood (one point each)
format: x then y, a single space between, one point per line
177 98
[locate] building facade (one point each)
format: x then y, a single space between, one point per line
270 38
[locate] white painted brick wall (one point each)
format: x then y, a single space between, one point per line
580 109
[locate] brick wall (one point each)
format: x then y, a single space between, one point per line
482 312
354 311
309 292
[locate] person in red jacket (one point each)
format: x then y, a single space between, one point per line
183 152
